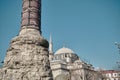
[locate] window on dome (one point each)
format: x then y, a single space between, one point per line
62 56
65 55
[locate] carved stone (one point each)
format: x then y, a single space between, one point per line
27 59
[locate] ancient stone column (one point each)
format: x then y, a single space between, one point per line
27 57
31 15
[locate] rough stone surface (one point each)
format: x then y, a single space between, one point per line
27 58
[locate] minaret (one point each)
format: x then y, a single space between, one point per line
50 45
51 49
27 57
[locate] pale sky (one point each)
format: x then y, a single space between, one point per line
88 27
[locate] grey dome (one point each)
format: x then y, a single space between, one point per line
64 50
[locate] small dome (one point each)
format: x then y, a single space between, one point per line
64 50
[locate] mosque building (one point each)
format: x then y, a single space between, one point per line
66 65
